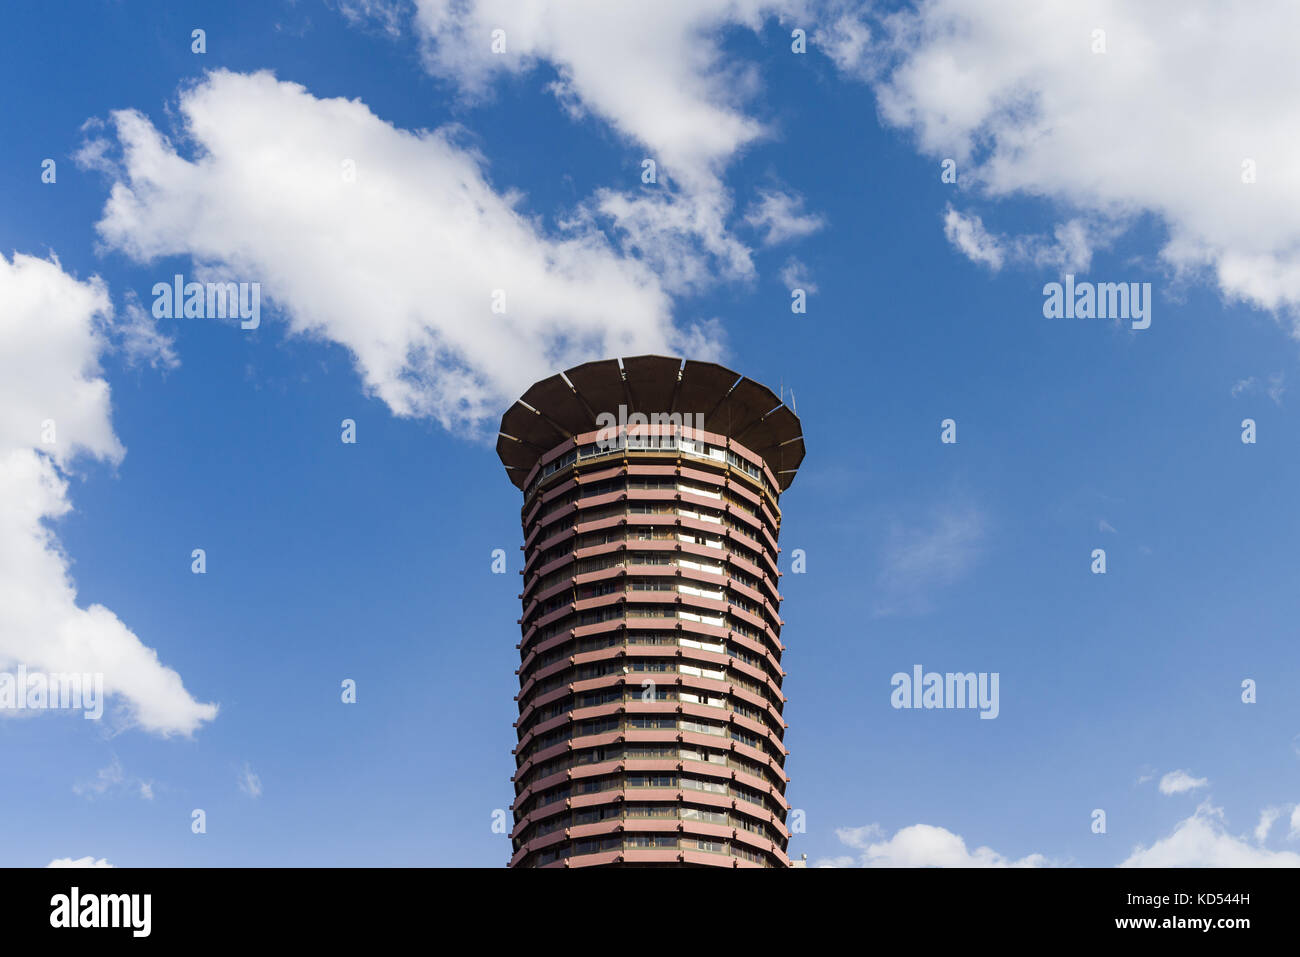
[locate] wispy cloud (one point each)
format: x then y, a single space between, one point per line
1274 388
920 558
1178 782
780 217
114 779
795 275
975 242
105 779
141 340
249 782
1068 249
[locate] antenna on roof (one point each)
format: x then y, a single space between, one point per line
793 407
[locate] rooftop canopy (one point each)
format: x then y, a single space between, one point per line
567 404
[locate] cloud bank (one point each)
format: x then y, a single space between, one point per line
390 243
54 407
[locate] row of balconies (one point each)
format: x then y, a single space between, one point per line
632 693
702 605
672 613
759 680
698 567
769 773
766 486
620 709
667 796
719 833
719 480
712 494
739 774
666 523
727 514
669 542
679 628
670 626
682 578
583 521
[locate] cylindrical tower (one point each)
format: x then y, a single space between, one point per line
650 727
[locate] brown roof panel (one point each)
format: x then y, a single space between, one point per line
556 400
652 381
600 384
784 460
514 455
744 406
703 386
524 424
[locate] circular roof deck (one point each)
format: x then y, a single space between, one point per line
567 404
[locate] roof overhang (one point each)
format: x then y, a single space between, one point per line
567 404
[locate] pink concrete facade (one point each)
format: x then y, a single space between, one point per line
650 707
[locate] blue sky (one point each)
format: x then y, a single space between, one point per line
474 171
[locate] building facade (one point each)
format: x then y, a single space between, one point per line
650 707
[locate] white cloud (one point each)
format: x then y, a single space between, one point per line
1270 815
920 845
249 782
78 862
780 216
1015 94
1068 249
1177 782
141 339
795 275
657 76
920 558
975 242
1267 818
846 36
654 72
113 779
684 240
385 15
105 780
1202 840
1275 388
400 265
50 345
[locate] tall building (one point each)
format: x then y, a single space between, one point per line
650 728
